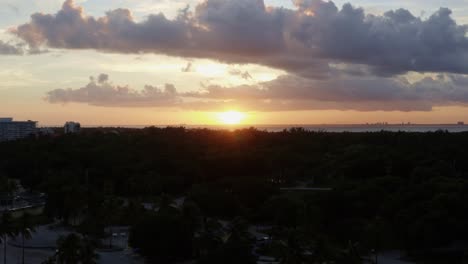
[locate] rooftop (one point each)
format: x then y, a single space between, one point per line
10 120
6 119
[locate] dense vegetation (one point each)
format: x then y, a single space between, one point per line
406 191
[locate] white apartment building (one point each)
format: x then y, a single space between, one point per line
72 127
13 130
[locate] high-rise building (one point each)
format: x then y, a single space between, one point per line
72 127
13 130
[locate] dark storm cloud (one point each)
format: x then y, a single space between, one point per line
394 43
302 41
286 93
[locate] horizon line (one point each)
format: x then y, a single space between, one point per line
258 125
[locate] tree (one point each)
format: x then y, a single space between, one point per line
165 237
73 249
110 213
49 260
68 249
8 186
25 230
209 238
88 252
6 230
293 249
285 211
234 246
238 229
192 215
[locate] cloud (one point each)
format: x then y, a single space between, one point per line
303 41
8 49
243 74
102 78
101 92
287 93
188 67
13 8
335 58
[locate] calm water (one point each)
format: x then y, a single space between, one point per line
340 128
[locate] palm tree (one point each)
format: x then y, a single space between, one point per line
210 237
110 211
238 229
232 242
68 249
88 252
25 230
6 230
8 187
294 251
73 249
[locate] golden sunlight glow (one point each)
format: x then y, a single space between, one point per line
309 12
211 69
231 117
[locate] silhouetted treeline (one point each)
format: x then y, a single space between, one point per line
406 191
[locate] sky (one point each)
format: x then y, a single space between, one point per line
171 62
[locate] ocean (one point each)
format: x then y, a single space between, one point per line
357 128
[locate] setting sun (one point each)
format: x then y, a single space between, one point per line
231 117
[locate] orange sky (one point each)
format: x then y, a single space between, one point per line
163 86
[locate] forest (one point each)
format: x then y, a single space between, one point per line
319 197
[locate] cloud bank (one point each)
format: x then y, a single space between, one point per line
100 91
335 58
286 93
302 41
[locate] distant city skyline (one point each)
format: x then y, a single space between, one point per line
194 62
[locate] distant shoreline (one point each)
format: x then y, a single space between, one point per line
357 128
264 125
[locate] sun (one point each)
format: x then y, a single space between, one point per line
231 117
